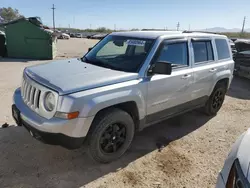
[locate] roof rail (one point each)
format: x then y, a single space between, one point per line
200 32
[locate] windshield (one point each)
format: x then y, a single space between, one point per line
120 53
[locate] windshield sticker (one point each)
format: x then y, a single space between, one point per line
136 42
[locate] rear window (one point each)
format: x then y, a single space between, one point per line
222 49
203 51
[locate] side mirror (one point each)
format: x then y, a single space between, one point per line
90 49
161 67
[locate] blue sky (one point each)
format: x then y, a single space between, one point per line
127 14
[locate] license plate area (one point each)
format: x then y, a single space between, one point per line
16 115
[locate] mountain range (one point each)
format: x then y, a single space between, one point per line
225 30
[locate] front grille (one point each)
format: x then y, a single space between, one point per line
30 94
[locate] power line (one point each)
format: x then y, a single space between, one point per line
53 10
243 25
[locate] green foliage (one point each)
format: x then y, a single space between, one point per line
9 14
98 30
237 35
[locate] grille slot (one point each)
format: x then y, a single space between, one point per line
30 94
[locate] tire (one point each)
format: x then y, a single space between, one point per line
111 135
215 100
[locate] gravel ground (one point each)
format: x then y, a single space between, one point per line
195 146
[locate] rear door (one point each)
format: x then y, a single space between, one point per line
168 93
203 66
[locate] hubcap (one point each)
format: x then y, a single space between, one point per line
218 99
113 138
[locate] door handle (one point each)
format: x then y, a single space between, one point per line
186 76
212 70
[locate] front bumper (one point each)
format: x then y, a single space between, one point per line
75 128
220 182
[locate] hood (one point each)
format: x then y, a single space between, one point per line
69 76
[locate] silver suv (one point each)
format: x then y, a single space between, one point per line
126 82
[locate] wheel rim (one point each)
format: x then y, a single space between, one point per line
218 99
113 138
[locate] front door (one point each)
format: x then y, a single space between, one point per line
167 94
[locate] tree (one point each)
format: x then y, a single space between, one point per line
9 14
103 30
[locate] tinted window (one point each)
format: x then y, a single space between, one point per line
174 53
222 48
202 51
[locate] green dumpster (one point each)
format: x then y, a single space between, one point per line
26 38
2 44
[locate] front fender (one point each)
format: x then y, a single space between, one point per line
100 102
90 102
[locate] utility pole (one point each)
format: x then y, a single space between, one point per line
178 26
115 27
243 25
53 10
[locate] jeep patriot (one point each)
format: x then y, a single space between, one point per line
126 82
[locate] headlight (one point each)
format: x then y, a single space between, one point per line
49 101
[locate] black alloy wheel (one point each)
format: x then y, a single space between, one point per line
113 138
218 99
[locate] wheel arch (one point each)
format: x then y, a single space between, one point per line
224 80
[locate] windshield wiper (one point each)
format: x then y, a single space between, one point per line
99 63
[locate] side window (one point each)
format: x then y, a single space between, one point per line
176 53
202 51
222 48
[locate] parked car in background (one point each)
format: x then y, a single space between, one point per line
72 35
126 82
78 35
242 58
89 36
236 172
233 39
99 36
64 36
232 45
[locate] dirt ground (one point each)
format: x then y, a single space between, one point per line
195 146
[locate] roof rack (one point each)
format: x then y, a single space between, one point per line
199 32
